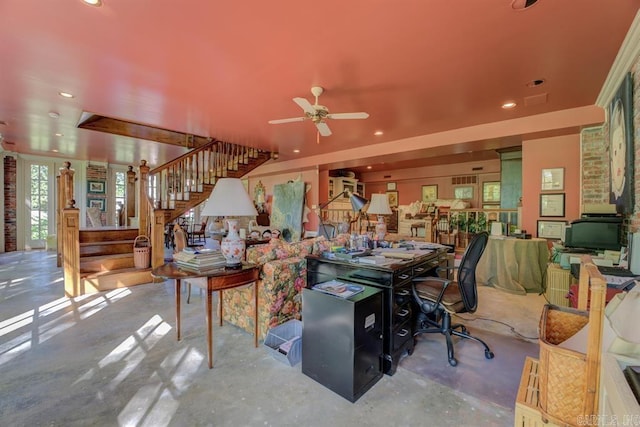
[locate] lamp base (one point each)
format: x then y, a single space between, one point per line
381 228
232 246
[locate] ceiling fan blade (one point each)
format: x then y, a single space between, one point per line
293 119
305 105
323 129
348 115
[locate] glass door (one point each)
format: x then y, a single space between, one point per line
38 206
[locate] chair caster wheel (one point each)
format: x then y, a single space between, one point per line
488 354
453 362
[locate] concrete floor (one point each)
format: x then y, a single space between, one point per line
111 359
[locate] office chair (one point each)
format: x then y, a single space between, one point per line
439 298
327 230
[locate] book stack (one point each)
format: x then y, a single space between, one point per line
199 260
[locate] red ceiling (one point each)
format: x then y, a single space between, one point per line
224 69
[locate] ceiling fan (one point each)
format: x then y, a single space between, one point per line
318 113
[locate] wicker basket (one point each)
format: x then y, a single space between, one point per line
569 379
141 252
562 372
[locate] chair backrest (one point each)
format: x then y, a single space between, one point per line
203 225
327 230
179 238
467 271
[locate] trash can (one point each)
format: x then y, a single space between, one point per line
141 252
285 342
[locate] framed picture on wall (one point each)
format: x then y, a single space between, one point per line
393 198
96 187
463 192
491 192
621 149
552 179
552 204
96 203
551 229
429 193
391 186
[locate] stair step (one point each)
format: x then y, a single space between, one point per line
106 234
92 264
90 249
122 278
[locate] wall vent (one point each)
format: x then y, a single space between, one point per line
467 179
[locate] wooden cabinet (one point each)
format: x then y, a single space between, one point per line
339 184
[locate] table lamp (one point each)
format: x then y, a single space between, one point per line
380 206
357 203
229 198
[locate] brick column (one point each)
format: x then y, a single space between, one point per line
10 204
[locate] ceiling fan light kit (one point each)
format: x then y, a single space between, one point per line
318 113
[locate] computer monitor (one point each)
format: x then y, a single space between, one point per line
596 233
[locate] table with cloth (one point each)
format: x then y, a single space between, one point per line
514 265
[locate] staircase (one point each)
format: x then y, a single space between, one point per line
187 181
99 259
107 260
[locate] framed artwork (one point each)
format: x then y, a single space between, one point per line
551 229
429 193
491 192
463 192
95 187
97 203
393 199
621 158
391 186
552 204
552 179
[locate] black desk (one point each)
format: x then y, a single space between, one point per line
397 301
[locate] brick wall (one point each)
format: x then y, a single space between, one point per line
595 171
10 204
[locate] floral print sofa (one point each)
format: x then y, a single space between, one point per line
283 275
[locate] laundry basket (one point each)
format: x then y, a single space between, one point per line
141 252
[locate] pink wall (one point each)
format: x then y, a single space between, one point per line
555 152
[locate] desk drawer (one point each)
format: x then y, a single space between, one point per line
402 314
401 334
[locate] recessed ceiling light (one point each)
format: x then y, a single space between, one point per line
54 115
66 94
378 133
96 3
59 134
296 151
54 150
508 105
369 167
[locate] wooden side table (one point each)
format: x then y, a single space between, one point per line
217 280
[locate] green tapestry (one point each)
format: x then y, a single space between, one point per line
287 210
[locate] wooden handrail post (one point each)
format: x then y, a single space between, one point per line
143 217
64 183
131 193
70 234
157 238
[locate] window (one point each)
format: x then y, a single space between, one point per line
38 203
121 187
120 193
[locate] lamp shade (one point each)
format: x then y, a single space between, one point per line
379 205
229 198
357 202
